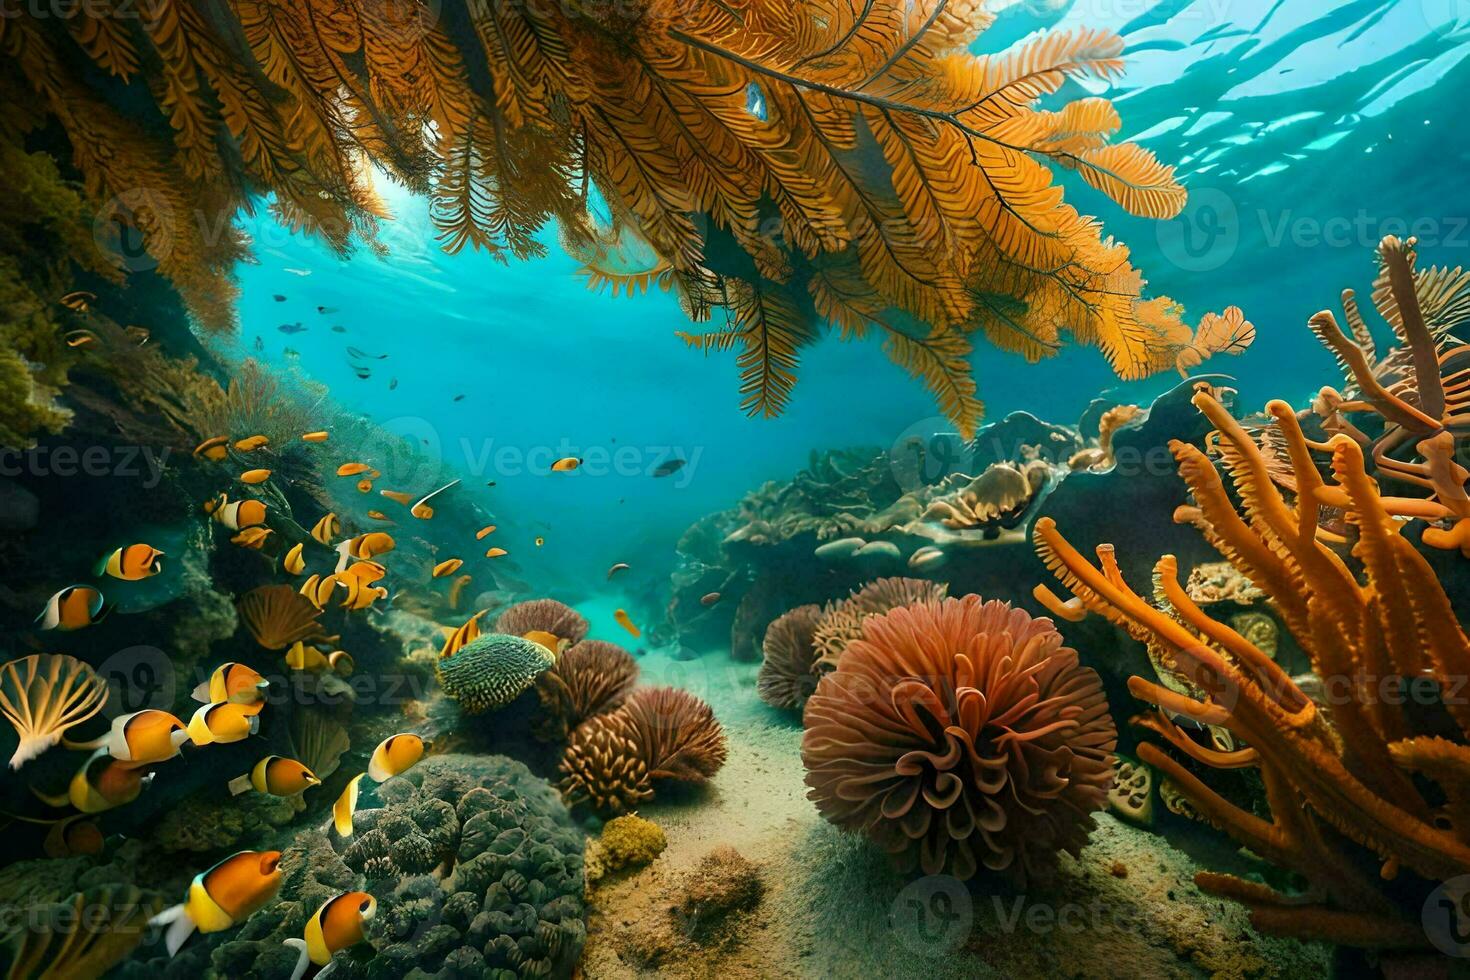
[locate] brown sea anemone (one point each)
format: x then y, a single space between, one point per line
591 678
959 734
843 621
545 616
604 768
788 667
677 733
277 616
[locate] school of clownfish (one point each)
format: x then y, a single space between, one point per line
233 697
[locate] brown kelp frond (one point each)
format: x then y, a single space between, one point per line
796 165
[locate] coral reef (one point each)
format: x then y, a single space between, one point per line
590 678
628 841
45 694
788 673
278 616
604 768
843 622
491 671
1354 781
83 936
959 734
545 616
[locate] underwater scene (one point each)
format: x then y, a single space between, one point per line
734 488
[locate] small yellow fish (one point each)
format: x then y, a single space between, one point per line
78 300
253 477
252 537
294 563
366 571
378 515
447 567
314 436
145 737
135 562
224 722
81 338
397 495
496 552
365 485
346 806
224 896
395 755
275 776
456 588
74 607
336 926
360 595
319 589
352 469
234 683
367 545
627 623
216 448
454 639
300 656
326 529
621 566
550 642
251 443
540 541
422 510
487 529
566 464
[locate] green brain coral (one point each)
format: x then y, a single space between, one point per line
491 671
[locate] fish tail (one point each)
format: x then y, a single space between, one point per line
303 959
180 927
100 567
240 784
88 746
59 800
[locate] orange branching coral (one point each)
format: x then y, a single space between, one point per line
959 733
1357 768
277 616
795 165
544 616
591 678
788 673
45 694
843 621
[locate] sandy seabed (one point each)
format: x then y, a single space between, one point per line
832 906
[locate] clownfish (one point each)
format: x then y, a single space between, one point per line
224 722
237 515
566 464
326 529
447 567
215 448
74 607
456 638
225 895
360 595
132 563
365 571
234 683
101 784
368 545
335 926
293 563
487 529
395 755
319 589
275 776
422 510
252 537
346 806
627 623
145 737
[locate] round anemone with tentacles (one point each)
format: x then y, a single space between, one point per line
491 671
961 734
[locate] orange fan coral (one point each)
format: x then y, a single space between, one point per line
277 616
45 694
603 767
843 622
1356 767
799 165
591 678
543 615
788 673
959 734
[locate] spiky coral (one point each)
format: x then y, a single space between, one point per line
1355 769
960 734
843 622
788 673
545 616
795 165
591 678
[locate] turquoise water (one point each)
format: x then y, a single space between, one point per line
1304 131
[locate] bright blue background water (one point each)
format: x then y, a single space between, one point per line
1305 130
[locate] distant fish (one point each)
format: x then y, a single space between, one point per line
398 496
621 566
291 353
362 373
486 530
669 467
252 537
378 515
292 328
278 298
259 343
365 485
709 599
293 563
395 755
222 897
327 528
132 563
139 335
74 607
392 383
352 469
627 623
363 355
346 806
80 338
78 300
251 443
337 925
215 448
275 775
447 567
421 509
319 436
566 464
496 553
297 272
253 477
459 398
326 309
540 541
338 328
489 483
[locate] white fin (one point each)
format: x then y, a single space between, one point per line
240 784
303 960
326 970
201 693
180 927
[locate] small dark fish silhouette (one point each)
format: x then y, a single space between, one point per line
363 355
338 328
363 373
668 467
279 298
259 344
291 328
459 398
489 483
393 383
326 309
